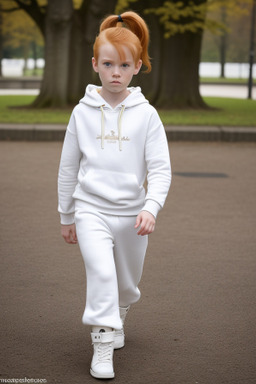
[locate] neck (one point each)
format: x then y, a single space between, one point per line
113 99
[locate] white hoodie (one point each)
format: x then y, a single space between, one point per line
107 154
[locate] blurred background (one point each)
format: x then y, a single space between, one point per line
192 42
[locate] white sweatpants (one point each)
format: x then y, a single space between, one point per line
114 255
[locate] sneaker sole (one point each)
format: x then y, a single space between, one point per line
102 375
119 345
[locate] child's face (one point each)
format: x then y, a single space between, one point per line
115 74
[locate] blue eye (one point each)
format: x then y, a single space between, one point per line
125 65
107 64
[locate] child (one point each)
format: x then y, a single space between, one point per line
114 139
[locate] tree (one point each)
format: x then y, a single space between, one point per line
69 35
69 29
85 26
177 28
1 38
251 55
231 38
18 29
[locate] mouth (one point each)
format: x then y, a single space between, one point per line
115 82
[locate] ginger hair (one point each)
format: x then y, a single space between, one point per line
131 32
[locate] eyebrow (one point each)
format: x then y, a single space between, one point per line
122 61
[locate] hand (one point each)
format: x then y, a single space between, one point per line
68 232
146 221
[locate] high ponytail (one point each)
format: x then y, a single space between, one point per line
127 29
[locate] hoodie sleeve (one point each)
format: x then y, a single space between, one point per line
68 172
158 166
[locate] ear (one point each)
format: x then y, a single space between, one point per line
95 65
137 67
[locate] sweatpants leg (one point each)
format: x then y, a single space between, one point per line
114 255
96 245
129 253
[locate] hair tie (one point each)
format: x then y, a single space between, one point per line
120 19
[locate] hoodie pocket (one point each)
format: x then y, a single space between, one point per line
116 187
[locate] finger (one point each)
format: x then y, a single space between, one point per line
73 237
68 237
146 229
138 222
142 229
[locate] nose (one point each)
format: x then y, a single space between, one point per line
116 71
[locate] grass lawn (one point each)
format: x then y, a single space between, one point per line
10 114
228 112
221 80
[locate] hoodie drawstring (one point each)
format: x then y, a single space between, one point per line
119 125
102 126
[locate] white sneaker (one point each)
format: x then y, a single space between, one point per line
102 361
119 338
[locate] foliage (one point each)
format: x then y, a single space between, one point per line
238 27
123 5
193 16
18 29
237 42
180 17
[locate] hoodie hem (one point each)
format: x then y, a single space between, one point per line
90 207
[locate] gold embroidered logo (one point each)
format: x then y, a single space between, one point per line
112 137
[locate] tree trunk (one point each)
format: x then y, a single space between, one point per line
69 34
180 72
150 82
223 44
34 49
1 41
54 89
85 28
25 50
174 80
69 38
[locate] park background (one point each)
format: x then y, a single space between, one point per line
191 42
195 322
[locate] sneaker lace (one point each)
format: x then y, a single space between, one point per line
105 352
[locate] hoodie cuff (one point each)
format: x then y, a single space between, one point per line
152 207
67 219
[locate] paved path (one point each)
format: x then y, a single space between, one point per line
195 322
233 91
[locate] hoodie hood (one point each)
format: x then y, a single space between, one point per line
93 98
